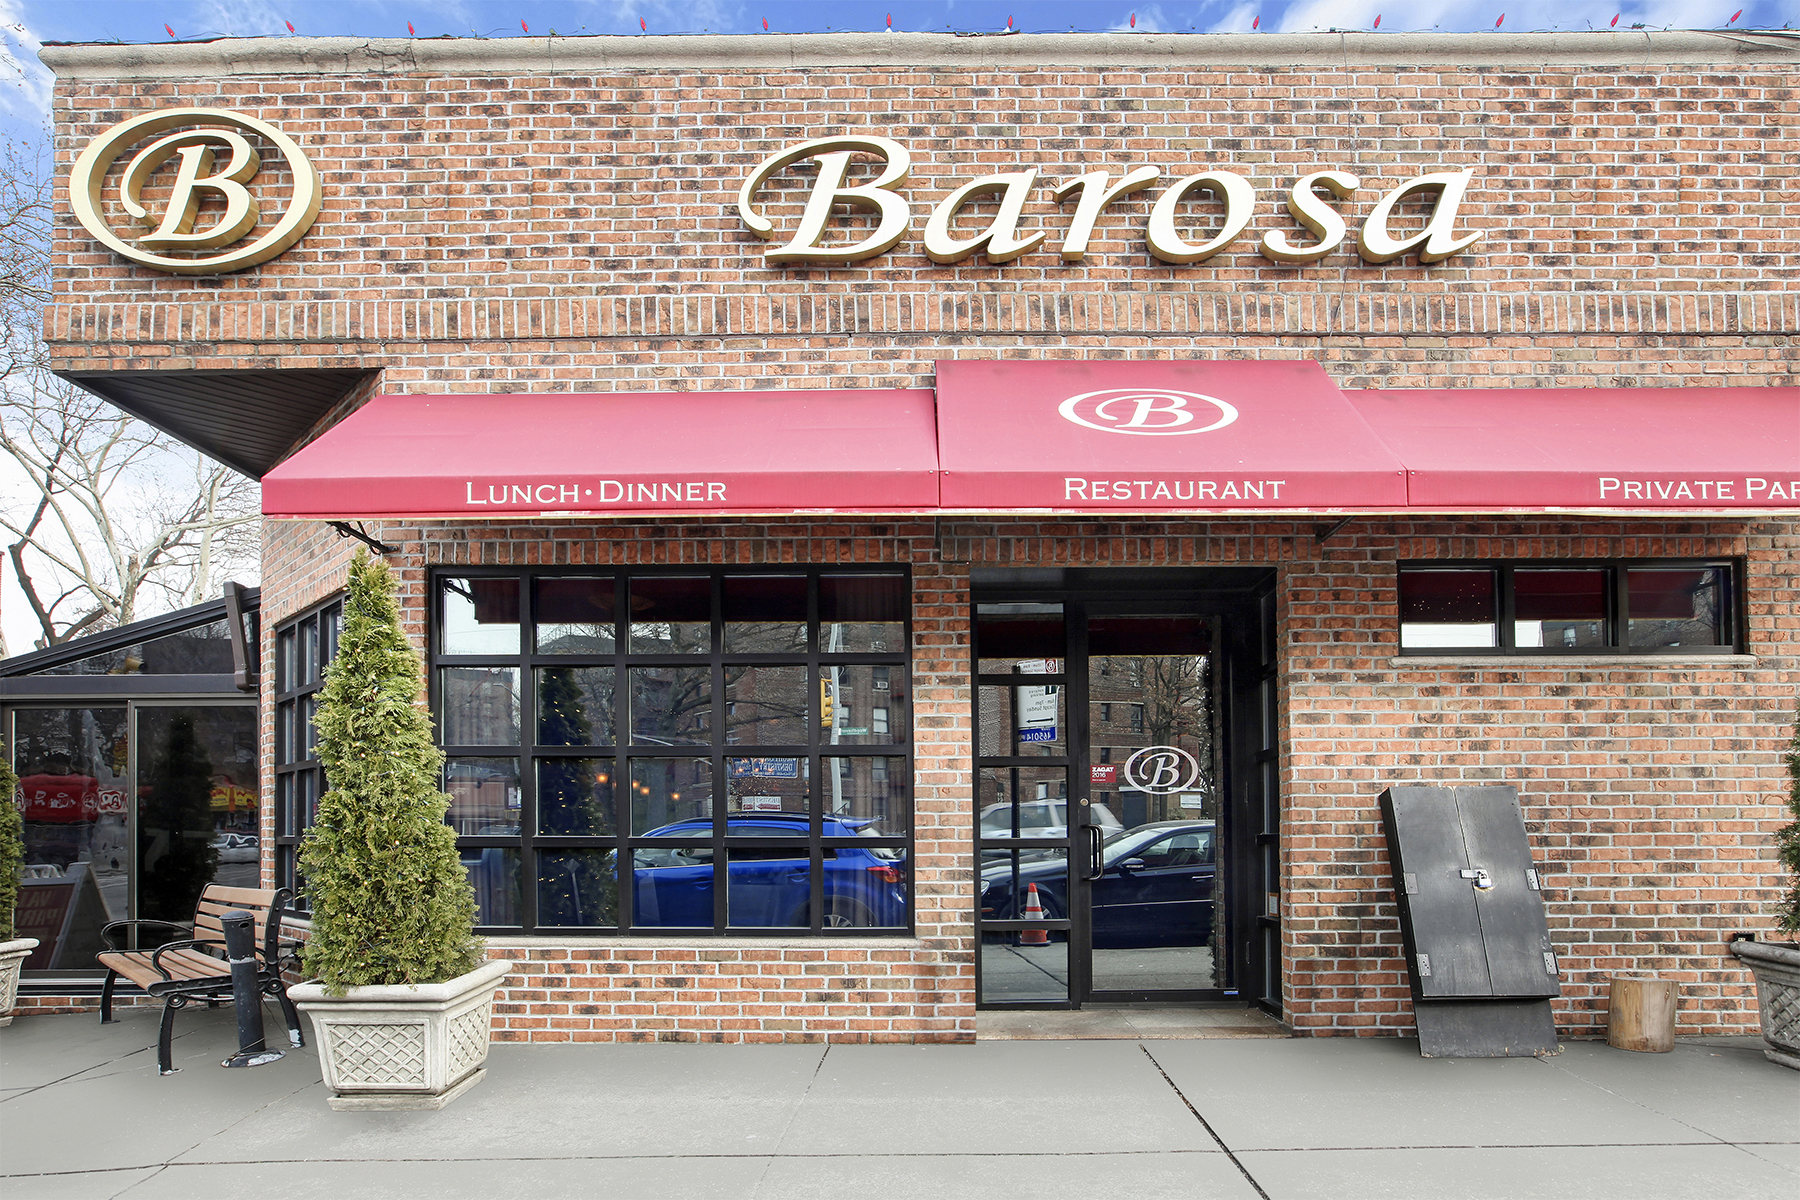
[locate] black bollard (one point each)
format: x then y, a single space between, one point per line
246 992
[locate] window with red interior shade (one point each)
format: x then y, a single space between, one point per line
1554 607
1448 608
1560 607
1677 607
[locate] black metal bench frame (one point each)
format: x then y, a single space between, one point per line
214 989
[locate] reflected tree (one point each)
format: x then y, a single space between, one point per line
175 826
579 887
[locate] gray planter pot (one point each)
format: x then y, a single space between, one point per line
12 955
405 1046
1776 966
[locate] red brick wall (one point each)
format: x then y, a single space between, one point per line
1650 789
538 231
519 230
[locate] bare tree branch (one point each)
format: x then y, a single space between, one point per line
105 518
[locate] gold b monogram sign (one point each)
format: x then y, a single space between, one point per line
215 161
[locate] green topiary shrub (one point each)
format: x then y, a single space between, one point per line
1787 838
12 846
390 900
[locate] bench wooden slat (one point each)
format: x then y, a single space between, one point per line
213 928
180 974
183 965
237 897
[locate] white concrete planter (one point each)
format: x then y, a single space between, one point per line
403 1046
1776 966
12 955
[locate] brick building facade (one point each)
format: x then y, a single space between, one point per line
541 216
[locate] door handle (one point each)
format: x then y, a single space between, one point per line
1096 866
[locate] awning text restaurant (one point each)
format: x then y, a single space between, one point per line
903 525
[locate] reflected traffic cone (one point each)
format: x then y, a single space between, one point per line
1034 911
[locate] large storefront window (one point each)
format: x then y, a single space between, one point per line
304 647
129 812
1569 607
741 739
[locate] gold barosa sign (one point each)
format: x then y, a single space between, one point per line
204 134
1002 242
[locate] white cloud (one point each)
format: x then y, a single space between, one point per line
1150 19
236 18
28 82
1521 15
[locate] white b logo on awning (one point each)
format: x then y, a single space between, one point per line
1160 770
1152 411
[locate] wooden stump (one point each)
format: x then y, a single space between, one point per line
1641 1014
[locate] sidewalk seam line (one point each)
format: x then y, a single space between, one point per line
769 1159
1205 1124
1632 1100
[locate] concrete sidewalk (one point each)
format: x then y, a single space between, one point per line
84 1114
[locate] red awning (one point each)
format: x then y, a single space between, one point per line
1157 436
1607 450
618 454
1137 436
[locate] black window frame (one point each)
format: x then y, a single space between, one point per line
1618 607
621 750
299 776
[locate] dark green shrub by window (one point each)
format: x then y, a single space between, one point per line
12 846
1787 838
390 900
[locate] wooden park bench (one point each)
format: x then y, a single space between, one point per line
195 968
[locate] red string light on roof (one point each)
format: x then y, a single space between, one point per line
290 26
890 17
1735 16
1502 18
641 26
765 24
1255 22
171 30
1615 21
525 27
1134 20
410 31
1377 24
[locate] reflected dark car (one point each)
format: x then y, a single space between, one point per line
769 886
1156 888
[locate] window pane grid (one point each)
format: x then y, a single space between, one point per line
1551 607
305 646
817 823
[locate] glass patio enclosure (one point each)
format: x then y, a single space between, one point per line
136 751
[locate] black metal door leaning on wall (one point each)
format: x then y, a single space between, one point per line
1124 778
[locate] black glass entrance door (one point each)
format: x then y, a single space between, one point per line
1029 813
1151 760
1119 808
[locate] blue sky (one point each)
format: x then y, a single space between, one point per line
26 24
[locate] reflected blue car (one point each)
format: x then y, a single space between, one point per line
769 886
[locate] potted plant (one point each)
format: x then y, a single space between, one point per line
1776 965
401 996
13 950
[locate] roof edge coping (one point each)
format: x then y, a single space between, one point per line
745 52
